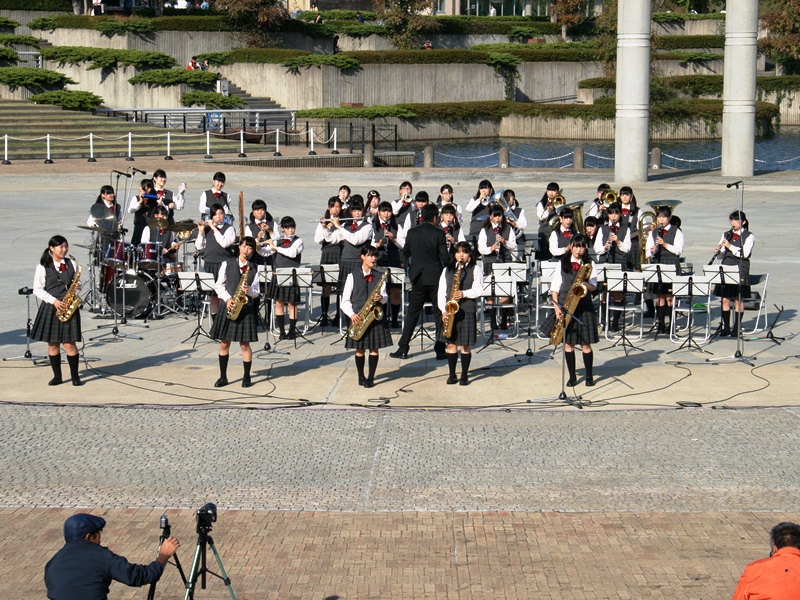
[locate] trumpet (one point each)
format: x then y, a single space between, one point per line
485 200
407 199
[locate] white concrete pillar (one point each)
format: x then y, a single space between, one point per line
633 92
739 89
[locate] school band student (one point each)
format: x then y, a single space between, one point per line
287 251
360 286
478 208
560 237
451 225
497 244
612 246
386 234
215 195
233 275
470 288
53 276
166 197
446 197
331 253
215 236
544 212
664 247
736 247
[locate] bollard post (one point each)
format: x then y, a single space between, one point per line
369 156
129 158
311 134
241 144
48 161
655 159
577 158
335 138
502 161
91 148
169 146
208 145
5 150
427 157
277 143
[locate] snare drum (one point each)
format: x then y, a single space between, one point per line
148 258
119 254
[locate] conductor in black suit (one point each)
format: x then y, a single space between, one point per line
426 251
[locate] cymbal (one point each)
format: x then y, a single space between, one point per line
100 212
94 228
158 223
182 226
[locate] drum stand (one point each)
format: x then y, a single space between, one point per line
115 334
157 312
93 298
26 291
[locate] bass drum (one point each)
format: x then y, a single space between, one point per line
140 291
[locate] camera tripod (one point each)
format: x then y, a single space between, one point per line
199 568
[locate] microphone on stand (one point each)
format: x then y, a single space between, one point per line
123 174
135 170
735 183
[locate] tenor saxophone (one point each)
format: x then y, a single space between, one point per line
240 297
577 291
370 312
451 308
71 300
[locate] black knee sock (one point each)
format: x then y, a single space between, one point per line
452 361
588 363
292 326
280 321
570 358
73 362
661 312
726 319
373 366
247 366
466 358
360 366
55 364
615 318
223 366
737 319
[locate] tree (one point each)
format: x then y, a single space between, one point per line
254 18
782 44
406 21
567 12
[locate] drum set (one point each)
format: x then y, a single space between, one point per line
136 281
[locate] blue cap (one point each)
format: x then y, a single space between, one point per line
77 526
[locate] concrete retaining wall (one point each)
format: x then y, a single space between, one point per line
667 68
545 80
705 27
18 93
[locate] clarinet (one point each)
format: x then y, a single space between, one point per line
727 237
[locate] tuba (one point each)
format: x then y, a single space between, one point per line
240 297
451 308
71 299
576 292
370 312
647 222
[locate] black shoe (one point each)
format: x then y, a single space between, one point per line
395 325
369 383
246 382
572 382
441 356
589 382
283 336
400 353
614 328
55 381
362 381
662 329
452 380
324 321
649 314
291 335
221 382
76 381
725 331
464 381
734 333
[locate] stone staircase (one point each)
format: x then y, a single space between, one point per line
256 104
23 121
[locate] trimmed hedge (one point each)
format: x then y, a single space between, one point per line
168 77
252 55
8 57
685 58
6 22
681 17
211 100
28 77
50 5
71 100
108 58
681 42
345 64
10 39
466 25
42 24
701 85
112 25
337 15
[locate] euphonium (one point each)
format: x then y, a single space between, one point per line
576 292
451 308
647 221
71 300
370 312
557 202
240 297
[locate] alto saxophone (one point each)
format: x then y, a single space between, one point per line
71 300
577 291
240 297
451 308
370 312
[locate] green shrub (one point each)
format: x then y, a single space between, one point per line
114 27
6 22
8 57
43 24
695 85
680 42
28 77
252 55
345 64
337 15
49 5
168 77
10 39
211 100
681 17
597 83
781 83
71 100
412 57
376 111
358 30
108 58
465 25
684 58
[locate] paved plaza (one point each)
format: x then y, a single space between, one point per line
411 489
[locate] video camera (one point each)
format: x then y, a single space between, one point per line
206 516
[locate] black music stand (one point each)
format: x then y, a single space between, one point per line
657 273
296 277
624 282
601 276
202 283
323 275
264 278
26 291
397 275
769 336
689 286
496 286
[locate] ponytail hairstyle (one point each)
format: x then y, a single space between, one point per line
487 184
741 217
333 201
450 209
577 240
447 187
47 258
551 187
626 189
106 189
260 204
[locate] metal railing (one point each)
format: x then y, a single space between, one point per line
203 119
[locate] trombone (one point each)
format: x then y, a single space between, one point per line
608 198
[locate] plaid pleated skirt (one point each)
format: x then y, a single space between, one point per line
47 327
213 268
345 268
465 331
576 333
243 329
286 293
633 257
331 254
377 336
